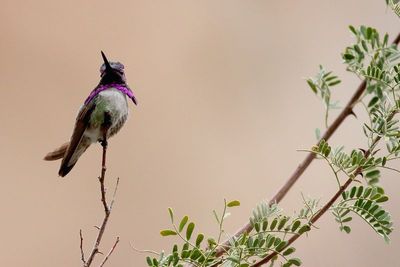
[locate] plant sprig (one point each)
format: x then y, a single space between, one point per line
269 236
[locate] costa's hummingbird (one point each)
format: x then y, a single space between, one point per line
104 111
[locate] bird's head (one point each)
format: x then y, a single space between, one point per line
111 72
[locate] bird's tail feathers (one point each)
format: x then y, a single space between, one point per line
72 155
57 153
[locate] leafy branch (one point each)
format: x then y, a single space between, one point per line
347 111
269 234
329 204
364 202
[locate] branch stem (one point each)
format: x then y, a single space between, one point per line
107 212
109 253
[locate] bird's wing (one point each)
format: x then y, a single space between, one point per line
82 121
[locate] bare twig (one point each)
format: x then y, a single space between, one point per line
144 250
81 246
347 110
109 253
107 212
115 193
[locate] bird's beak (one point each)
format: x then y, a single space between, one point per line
108 66
134 99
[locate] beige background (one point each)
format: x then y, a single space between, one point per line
223 106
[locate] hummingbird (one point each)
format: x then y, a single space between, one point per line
103 114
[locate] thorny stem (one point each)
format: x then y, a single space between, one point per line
347 110
107 212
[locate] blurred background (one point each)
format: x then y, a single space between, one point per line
223 106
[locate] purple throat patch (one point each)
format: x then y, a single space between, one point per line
122 88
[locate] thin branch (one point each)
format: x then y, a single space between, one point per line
347 110
107 211
115 193
144 250
109 253
389 168
81 247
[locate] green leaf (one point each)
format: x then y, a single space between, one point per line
353 192
348 219
264 224
360 190
333 83
329 78
277 241
233 203
385 39
295 225
195 254
382 199
171 214
155 262
344 212
175 260
304 228
312 86
273 224
367 192
372 174
281 246
183 223
380 190
348 56
364 45
369 33
199 239
327 151
270 241
352 29
373 101
295 261
282 223
149 261
289 251
211 242
189 231
168 232
347 229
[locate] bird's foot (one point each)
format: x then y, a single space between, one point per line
104 143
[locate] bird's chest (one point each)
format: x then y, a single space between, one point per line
114 103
